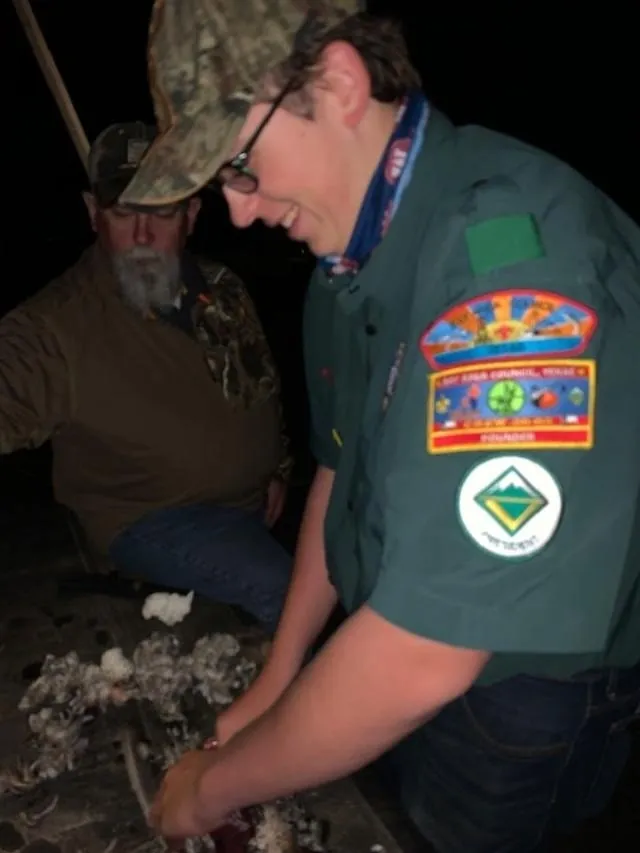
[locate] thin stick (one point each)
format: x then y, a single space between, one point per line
54 80
131 765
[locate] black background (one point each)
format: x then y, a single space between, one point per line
566 81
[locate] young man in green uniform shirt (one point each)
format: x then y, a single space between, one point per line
471 334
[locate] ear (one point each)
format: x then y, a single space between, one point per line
345 81
193 210
92 208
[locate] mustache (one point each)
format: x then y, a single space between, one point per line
142 258
148 278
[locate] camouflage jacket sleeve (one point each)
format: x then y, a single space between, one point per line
238 353
35 397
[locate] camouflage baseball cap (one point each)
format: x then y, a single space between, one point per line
114 158
206 58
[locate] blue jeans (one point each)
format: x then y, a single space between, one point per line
224 554
505 766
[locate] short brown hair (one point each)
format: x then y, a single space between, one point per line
379 41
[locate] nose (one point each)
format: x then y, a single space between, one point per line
243 207
142 231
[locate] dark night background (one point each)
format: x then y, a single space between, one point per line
563 80
558 81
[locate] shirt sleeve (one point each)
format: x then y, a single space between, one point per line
510 503
35 386
320 373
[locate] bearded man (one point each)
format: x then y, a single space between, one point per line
150 373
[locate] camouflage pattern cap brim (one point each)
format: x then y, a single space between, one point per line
205 60
178 164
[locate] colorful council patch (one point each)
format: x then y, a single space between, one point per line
512 406
508 324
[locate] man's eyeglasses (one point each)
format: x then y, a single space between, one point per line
235 174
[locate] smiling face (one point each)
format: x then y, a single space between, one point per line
313 173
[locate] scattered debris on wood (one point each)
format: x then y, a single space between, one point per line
70 694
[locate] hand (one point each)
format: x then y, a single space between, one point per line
276 498
177 812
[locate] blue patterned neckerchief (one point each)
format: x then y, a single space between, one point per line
386 187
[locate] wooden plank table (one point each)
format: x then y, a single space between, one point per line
95 809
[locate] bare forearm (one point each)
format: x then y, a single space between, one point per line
311 597
366 690
314 735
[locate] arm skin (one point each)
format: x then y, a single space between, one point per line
372 685
311 598
310 601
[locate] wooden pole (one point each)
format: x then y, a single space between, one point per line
53 78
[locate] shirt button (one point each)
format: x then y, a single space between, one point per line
370 329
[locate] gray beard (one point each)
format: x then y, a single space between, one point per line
148 279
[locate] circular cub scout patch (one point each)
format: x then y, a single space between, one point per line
510 506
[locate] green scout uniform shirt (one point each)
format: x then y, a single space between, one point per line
474 390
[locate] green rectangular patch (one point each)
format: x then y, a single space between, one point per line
503 241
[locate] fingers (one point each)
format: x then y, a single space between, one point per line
173 845
154 818
274 512
271 514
